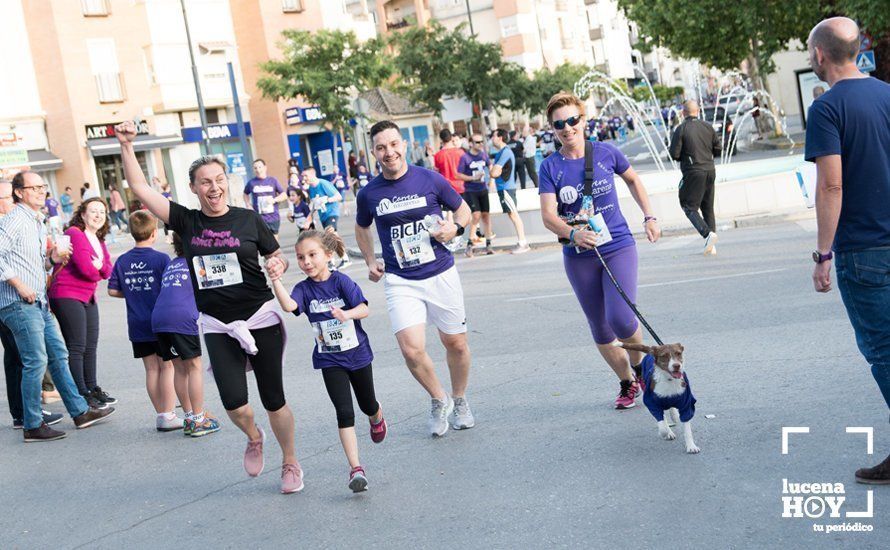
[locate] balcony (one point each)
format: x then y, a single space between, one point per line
562 5
596 33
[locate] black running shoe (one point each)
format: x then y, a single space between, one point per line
102 396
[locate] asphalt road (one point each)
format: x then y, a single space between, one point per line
550 463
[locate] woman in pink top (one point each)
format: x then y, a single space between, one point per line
72 296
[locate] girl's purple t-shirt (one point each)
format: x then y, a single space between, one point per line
565 178
316 299
175 309
398 207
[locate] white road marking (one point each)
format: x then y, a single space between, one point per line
665 283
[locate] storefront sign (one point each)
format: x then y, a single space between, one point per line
9 139
102 131
300 115
13 156
216 132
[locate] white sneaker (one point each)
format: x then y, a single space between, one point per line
710 243
462 417
521 249
714 251
439 416
167 423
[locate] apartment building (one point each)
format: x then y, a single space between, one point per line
285 130
87 65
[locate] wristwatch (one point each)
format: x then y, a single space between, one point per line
818 257
460 229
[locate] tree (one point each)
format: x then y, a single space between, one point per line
326 68
434 62
545 84
723 34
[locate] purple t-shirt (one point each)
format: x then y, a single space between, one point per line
470 165
565 178
301 212
398 208
262 196
137 274
175 310
336 344
52 207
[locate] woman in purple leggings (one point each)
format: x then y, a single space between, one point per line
561 186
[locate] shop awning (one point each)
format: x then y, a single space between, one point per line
111 146
39 160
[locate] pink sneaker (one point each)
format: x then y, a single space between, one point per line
378 431
291 479
627 395
357 480
253 455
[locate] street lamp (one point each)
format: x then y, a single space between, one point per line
205 139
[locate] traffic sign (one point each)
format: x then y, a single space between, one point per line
865 61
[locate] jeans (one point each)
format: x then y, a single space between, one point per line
41 346
863 278
12 367
117 218
79 323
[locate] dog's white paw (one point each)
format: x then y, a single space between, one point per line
692 449
667 434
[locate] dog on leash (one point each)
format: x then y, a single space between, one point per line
666 389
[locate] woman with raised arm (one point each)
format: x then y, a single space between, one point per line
238 316
562 192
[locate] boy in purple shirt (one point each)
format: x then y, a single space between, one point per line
136 277
263 193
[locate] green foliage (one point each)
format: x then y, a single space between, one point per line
545 84
723 33
872 15
664 94
326 68
435 62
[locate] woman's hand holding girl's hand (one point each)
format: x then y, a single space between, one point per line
275 268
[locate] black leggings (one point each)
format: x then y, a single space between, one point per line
337 380
229 362
697 193
80 328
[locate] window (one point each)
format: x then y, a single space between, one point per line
291 6
95 8
103 62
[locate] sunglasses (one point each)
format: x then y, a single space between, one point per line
571 121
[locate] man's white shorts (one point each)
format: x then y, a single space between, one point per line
438 300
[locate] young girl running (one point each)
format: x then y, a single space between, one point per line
175 324
300 213
334 304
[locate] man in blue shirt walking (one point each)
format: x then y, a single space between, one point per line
848 137
503 170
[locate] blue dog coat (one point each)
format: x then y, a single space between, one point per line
684 402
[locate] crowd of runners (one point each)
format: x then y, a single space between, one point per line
225 282
218 284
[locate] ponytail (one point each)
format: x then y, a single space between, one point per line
328 239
